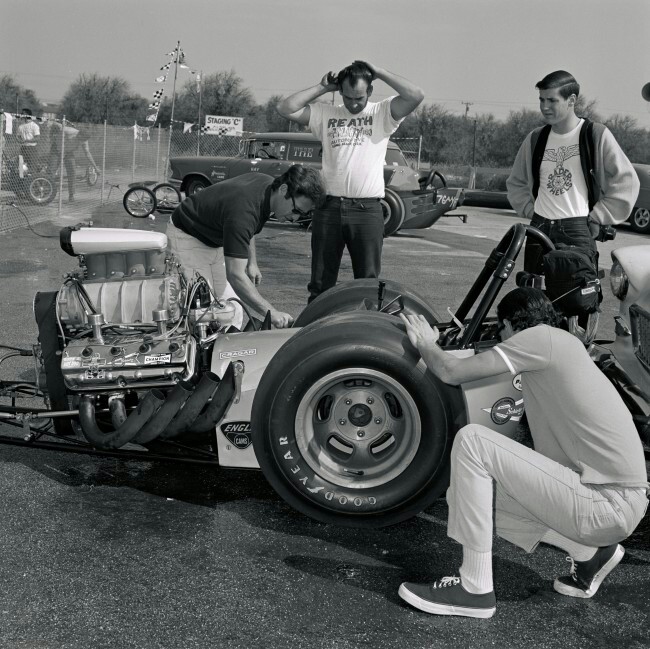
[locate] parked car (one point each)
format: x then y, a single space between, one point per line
640 217
412 199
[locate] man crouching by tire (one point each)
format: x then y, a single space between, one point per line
220 222
583 489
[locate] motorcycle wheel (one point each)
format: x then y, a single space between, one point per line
349 428
363 294
167 197
139 202
41 190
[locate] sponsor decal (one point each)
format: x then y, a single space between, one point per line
588 290
516 383
240 352
68 363
157 359
238 433
506 409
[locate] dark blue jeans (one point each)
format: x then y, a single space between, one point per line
357 224
570 232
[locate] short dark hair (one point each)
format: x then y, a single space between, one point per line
526 307
357 71
27 111
561 79
302 181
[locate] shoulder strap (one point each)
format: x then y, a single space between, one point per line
588 159
538 140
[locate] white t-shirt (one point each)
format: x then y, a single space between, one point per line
354 147
27 132
576 416
562 187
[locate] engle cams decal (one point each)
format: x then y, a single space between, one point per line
506 409
516 382
238 433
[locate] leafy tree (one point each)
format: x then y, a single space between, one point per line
14 97
222 93
93 98
274 121
632 139
510 134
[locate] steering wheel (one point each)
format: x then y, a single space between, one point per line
432 174
266 155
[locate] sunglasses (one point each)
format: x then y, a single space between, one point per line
299 212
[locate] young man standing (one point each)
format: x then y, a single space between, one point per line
583 489
555 183
28 136
355 138
221 221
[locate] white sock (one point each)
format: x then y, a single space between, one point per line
476 572
577 551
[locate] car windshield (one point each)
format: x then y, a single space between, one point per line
395 158
276 149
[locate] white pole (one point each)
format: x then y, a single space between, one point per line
198 134
103 165
2 141
61 164
171 121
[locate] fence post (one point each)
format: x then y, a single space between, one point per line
158 156
61 164
419 151
2 141
135 137
103 166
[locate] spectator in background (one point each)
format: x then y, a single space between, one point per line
28 134
355 138
72 139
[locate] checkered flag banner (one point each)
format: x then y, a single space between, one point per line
153 117
158 94
166 66
154 104
161 79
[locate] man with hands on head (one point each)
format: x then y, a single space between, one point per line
220 223
354 136
582 489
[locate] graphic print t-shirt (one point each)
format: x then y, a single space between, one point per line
562 186
354 147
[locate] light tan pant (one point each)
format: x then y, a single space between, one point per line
208 262
533 494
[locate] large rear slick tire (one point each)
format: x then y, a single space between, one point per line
349 296
349 428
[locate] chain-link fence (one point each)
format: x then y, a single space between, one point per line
412 149
71 169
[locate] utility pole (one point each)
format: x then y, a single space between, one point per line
467 104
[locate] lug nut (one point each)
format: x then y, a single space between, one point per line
361 433
348 402
378 420
342 422
370 400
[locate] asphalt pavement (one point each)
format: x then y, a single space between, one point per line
104 552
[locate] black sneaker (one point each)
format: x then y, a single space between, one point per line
448 597
586 576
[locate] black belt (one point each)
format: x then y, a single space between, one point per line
347 198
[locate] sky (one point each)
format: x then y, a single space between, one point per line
480 56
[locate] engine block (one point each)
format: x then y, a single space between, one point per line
128 361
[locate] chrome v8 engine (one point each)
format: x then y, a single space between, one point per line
132 320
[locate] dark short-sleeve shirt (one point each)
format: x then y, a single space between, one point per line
227 215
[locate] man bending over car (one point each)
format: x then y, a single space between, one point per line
583 487
221 221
